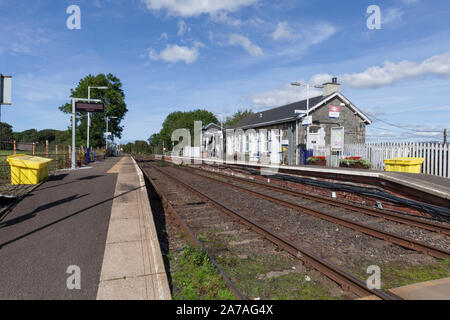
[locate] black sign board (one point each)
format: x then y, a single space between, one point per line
89 107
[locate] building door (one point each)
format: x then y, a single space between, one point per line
315 137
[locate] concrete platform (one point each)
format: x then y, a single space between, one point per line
133 266
430 290
63 222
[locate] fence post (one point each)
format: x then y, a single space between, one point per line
14 147
56 157
46 148
32 152
70 152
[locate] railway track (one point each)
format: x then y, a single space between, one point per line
191 235
408 220
375 232
344 279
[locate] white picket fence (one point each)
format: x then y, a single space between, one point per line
436 155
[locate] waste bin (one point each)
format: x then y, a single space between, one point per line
410 165
28 169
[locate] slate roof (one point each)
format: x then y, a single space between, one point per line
276 115
287 113
211 125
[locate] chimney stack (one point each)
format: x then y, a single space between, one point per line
331 87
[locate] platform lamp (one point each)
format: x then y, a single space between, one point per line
298 84
88 149
106 139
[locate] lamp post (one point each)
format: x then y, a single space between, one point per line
298 84
222 144
75 100
88 149
106 139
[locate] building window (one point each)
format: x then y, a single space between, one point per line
247 143
313 130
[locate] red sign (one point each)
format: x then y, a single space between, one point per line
89 107
334 112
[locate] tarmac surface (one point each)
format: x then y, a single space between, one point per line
62 223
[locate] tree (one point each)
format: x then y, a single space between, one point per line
114 102
179 120
6 135
46 135
238 116
138 147
30 135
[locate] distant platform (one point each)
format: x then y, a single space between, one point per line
426 188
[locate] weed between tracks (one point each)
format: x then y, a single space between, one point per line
195 277
263 275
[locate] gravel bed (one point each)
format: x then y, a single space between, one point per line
429 237
339 245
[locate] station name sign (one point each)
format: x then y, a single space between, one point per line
89 107
5 90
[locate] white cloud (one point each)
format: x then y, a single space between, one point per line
21 39
391 15
182 28
373 77
34 89
164 36
391 73
190 8
308 36
175 53
211 36
279 97
282 32
246 44
223 17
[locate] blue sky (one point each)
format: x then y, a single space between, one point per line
227 55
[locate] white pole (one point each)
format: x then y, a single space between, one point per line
307 99
73 133
89 118
297 151
106 136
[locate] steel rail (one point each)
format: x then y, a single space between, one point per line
378 233
415 222
346 280
188 231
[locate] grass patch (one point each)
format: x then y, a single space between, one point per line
162 163
250 279
396 275
292 286
196 277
